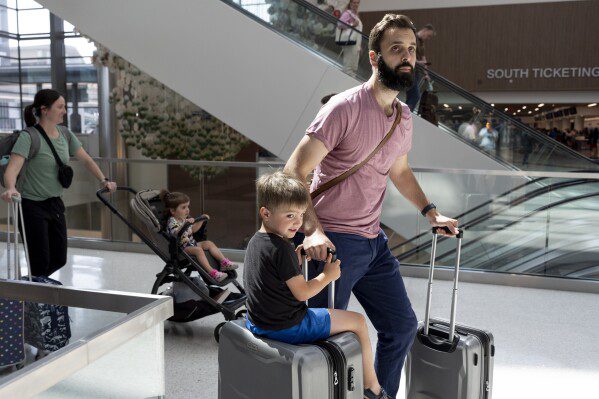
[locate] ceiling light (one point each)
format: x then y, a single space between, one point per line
529 112
506 108
446 106
524 107
540 105
519 110
536 109
492 105
460 107
514 113
592 105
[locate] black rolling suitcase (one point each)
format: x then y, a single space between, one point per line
251 367
449 360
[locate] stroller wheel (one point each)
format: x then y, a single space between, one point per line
217 331
241 314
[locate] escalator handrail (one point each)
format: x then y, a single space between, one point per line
480 103
529 214
488 215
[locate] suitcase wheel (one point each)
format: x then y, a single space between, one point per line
217 331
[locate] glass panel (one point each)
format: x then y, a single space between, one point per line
24 4
82 323
226 194
79 47
34 21
9 70
9 47
35 48
10 95
82 107
512 225
133 370
83 209
12 122
8 20
68 27
80 70
11 3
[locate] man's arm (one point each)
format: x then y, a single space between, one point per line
307 155
403 178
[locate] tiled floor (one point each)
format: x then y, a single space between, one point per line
547 341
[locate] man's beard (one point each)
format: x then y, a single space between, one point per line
395 79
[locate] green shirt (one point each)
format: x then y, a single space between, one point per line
41 176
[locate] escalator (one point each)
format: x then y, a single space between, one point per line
261 66
542 227
519 146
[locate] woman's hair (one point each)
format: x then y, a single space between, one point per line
43 98
279 189
171 201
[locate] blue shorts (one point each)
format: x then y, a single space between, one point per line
315 326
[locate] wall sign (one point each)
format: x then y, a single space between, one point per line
543 73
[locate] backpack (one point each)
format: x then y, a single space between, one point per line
8 142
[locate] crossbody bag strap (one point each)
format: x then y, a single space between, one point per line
45 136
349 172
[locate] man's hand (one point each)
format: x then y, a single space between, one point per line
438 220
316 245
298 252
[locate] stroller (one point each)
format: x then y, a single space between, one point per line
195 296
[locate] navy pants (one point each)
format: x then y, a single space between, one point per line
370 271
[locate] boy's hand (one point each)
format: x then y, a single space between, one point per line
190 220
332 270
298 252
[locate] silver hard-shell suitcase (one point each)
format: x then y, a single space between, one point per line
252 367
449 360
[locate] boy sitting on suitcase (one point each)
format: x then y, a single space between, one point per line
275 287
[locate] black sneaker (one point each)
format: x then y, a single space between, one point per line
368 394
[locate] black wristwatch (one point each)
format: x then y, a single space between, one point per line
427 208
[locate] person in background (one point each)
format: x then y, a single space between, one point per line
593 142
488 137
422 36
351 53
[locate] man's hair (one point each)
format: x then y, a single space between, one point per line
389 21
429 27
279 189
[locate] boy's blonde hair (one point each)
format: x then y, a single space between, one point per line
279 189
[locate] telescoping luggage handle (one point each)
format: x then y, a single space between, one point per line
454 296
15 213
332 285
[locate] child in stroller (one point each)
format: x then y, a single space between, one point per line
176 213
196 294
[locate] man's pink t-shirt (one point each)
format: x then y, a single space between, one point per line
350 126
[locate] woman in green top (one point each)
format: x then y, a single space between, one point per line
41 190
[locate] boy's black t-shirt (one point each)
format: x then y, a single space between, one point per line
270 261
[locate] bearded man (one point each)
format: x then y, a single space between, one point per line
346 217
